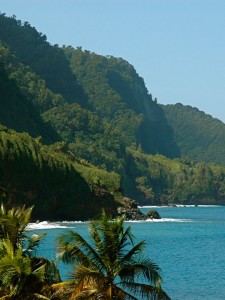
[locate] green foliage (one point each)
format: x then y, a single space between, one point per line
101 122
163 180
31 85
89 137
22 276
110 266
49 62
17 112
117 94
199 136
36 174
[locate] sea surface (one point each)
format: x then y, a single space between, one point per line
188 244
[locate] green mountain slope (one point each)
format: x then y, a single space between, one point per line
18 113
59 187
104 131
49 62
162 180
118 94
199 136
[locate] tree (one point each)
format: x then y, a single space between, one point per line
22 276
19 278
111 266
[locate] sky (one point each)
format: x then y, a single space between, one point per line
177 46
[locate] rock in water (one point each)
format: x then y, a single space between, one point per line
153 214
130 210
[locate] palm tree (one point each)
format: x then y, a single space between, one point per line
111 266
19 280
13 223
22 275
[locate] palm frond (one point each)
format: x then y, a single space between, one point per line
74 248
13 223
145 291
32 296
125 294
32 243
62 290
137 249
87 294
144 267
84 274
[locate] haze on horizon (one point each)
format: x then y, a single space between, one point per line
177 46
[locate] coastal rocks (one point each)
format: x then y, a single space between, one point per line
131 210
153 214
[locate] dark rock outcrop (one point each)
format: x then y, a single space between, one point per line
131 210
153 214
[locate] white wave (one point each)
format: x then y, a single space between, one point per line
152 206
184 205
161 220
169 220
135 221
73 222
44 225
179 205
204 205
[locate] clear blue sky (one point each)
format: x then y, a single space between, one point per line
177 46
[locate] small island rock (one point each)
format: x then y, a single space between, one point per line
153 214
130 209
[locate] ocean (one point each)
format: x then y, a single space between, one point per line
188 244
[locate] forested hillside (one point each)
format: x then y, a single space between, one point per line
60 187
199 136
118 94
17 112
106 136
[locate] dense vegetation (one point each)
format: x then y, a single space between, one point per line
163 180
105 133
36 174
199 136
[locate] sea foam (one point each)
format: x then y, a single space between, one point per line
44 225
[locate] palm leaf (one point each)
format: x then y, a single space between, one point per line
33 243
87 294
137 249
145 291
143 267
84 274
74 248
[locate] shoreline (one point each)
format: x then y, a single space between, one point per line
179 205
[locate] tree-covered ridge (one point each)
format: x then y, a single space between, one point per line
89 137
31 85
163 180
117 93
199 136
100 114
36 174
106 85
49 62
18 113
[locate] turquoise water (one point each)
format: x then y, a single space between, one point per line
188 243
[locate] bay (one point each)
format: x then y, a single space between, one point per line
188 244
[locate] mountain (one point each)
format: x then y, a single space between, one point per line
17 112
60 187
98 134
199 136
118 94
